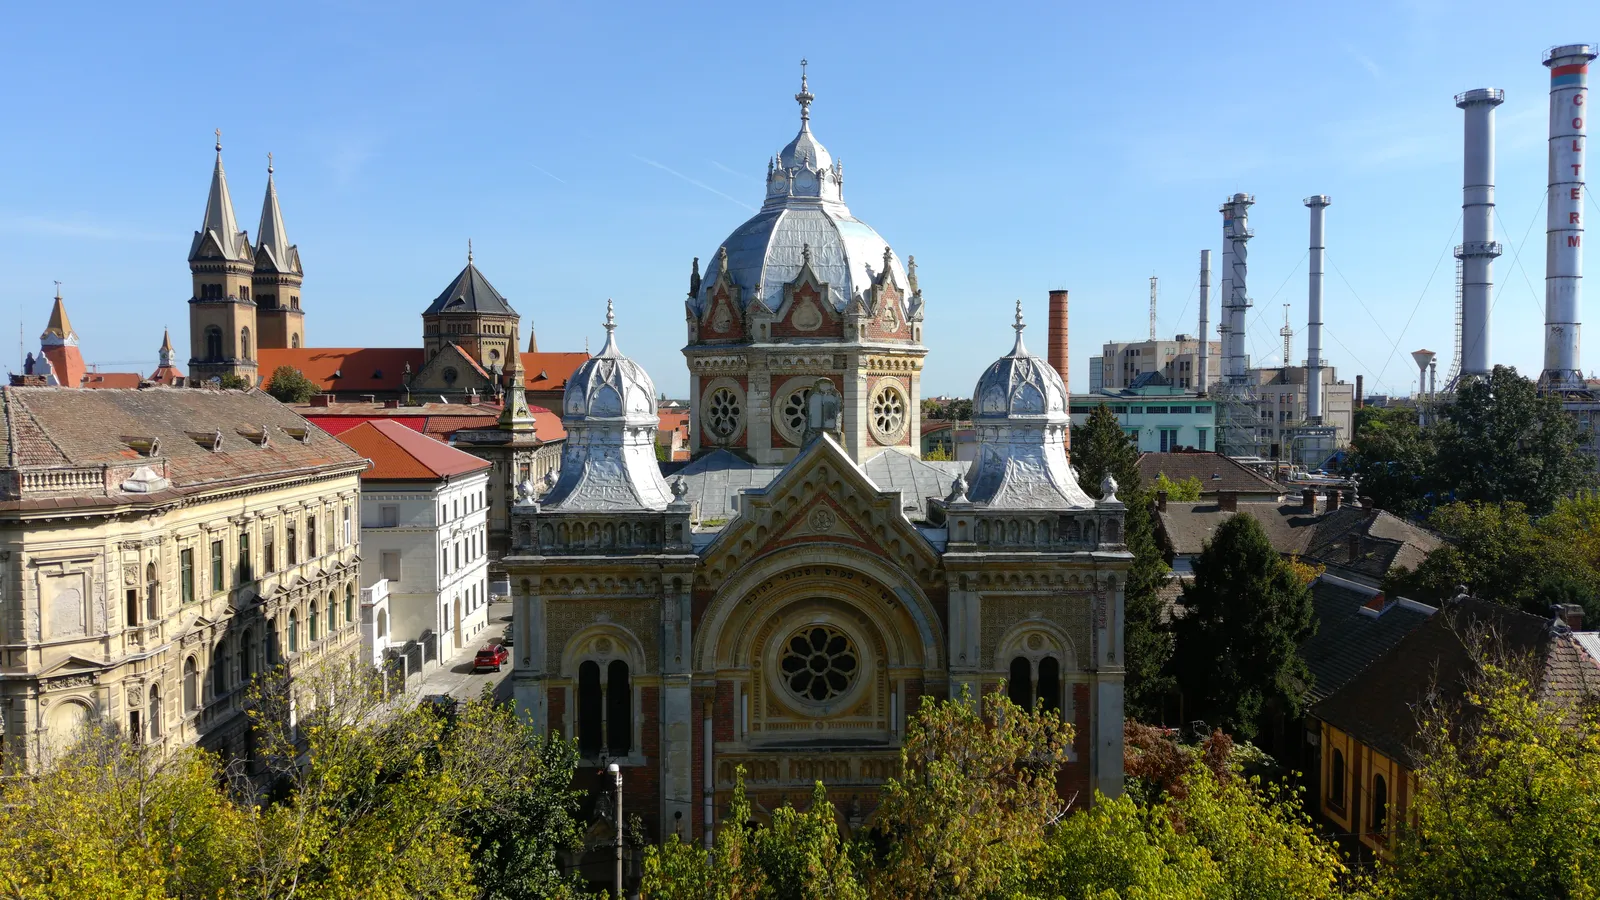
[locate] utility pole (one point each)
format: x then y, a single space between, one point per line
616 776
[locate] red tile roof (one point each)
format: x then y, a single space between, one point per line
399 453
359 368
112 380
438 419
549 371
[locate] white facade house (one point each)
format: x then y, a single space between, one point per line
375 630
424 527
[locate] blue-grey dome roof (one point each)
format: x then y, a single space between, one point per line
804 206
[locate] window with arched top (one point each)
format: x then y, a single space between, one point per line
349 603
244 344
247 655
1336 779
1380 804
311 624
152 592
591 727
294 631
294 341
213 343
191 685
619 709
383 623
219 670
155 712
1019 686
1049 685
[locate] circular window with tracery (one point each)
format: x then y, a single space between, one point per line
819 663
888 414
722 413
795 412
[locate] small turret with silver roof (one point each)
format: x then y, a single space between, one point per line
1019 409
608 462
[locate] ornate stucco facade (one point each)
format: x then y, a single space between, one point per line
786 600
158 549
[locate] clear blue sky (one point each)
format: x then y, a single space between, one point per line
590 150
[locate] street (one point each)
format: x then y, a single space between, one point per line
456 678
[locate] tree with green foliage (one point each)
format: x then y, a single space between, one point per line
1245 614
1506 804
1393 459
1185 490
1501 441
289 385
1100 447
1501 554
231 382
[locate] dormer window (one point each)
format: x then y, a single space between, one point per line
146 446
210 440
259 438
303 435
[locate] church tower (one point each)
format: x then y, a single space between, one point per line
277 278
471 314
222 317
59 345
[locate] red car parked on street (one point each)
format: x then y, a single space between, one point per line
491 657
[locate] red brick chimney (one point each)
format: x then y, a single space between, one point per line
1161 501
1569 614
320 399
1335 499
1308 499
1058 343
1228 501
1361 394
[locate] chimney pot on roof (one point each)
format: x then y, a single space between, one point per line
1161 501
320 399
1308 499
1335 499
1569 614
391 404
1228 501
1366 504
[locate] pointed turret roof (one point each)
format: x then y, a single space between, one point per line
59 329
272 240
470 292
220 225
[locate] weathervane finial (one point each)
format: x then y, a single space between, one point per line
269 162
805 96
58 290
219 140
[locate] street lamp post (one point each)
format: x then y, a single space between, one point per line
616 778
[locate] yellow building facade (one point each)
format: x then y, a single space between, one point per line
159 549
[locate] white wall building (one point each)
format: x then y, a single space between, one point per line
424 529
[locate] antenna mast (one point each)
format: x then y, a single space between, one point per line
1152 307
1288 334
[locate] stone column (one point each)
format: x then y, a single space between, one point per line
527 672
678 792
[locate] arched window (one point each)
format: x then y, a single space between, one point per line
244 343
590 705
213 343
294 341
349 603
191 685
294 631
155 712
1336 779
619 709
311 632
1380 804
219 670
1049 684
1019 687
383 623
247 655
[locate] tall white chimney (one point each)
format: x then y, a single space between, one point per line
1203 367
1563 260
1236 234
1318 205
1478 248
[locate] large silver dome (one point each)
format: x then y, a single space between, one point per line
804 207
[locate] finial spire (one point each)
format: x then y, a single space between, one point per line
1019 350
58 290
219 141
611 316
610 349
469 251
269 163
804 98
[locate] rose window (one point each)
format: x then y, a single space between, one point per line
888 413
722 412
819 663
796 412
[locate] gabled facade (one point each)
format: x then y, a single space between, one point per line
789 619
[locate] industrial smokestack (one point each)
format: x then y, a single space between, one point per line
1203 367
1479 248
1361 391
1563 260
1318 206
1058 342
1236 302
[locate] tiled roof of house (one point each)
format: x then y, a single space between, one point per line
399 453
1383 541
1349 636
344 369
1380 705
112 380
439 420
199 437
1215 472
